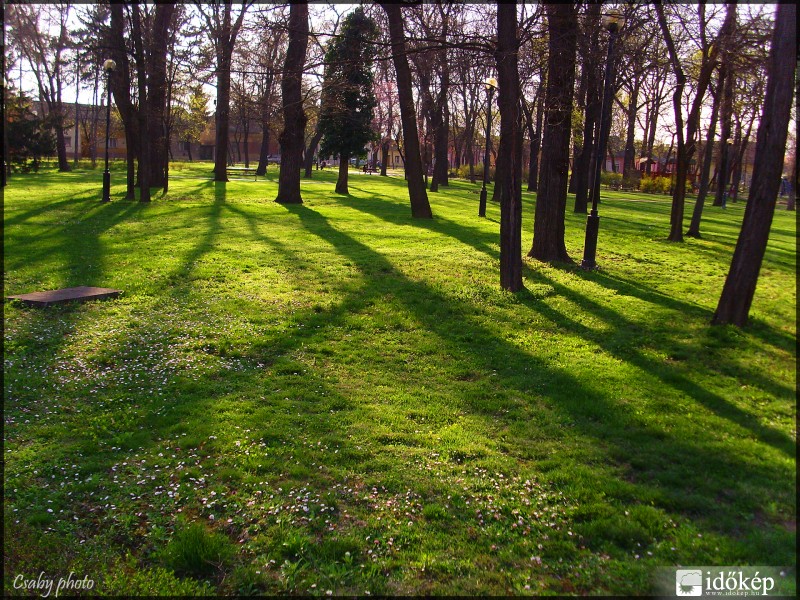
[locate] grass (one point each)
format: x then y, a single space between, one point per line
347 396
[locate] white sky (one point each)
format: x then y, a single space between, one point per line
318 14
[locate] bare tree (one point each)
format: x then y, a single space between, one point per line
739 289
420 207
45 53
687 142
222 31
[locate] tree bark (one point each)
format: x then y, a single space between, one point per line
740 284
341 181
294 117
420 207
157 94
548 226
384 156
510 146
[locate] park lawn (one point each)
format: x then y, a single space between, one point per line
335 397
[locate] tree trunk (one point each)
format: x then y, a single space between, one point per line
536 143
263 155
144 112
739 289
511 146
344 167
629 165
736 167
420 207
725 117
121 89
548 226
694 227
157 94
384 157
687 144
581 102
310 151
222 136
294 117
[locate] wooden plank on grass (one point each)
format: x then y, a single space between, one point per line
79 294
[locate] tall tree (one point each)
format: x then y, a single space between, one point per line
548 226
705 167
144 110
158 37
222 31
120 82
510 146
271 40
588 44
727 76
45 52
740 285
420 207
687 142
294 117
348 97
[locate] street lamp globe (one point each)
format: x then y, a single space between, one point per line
109 65
490 83
613 20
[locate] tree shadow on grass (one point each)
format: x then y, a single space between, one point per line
94 220
488 243
597 414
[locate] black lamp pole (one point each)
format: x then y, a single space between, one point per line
491 84
109 66
593 220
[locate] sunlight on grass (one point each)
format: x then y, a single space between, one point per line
345 398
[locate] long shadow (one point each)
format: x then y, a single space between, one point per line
669 376
204 244
96 218
598 416
626 287
486 243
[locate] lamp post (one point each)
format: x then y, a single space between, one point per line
491 85
612 22
109 65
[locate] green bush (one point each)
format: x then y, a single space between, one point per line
610 178
659 185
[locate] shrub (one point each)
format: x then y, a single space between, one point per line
463 172
610 178
659 185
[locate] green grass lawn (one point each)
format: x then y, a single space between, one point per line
336 397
